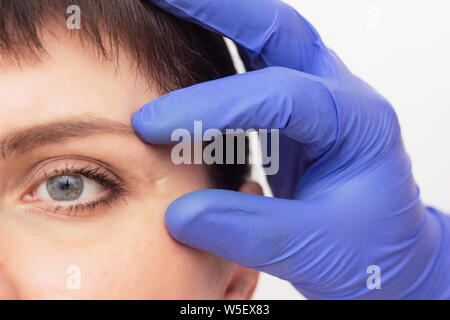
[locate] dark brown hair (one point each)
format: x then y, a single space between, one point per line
171 52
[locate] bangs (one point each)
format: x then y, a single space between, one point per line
172 52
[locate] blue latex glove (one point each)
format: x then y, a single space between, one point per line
355 206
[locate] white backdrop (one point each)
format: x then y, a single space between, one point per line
402 48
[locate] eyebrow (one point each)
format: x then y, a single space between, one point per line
24 140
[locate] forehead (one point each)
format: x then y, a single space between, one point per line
71 80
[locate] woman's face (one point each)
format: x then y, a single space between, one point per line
82 199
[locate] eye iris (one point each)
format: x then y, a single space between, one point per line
65 188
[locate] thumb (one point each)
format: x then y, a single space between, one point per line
254 231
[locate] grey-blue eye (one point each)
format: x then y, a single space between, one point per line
65 188
69 188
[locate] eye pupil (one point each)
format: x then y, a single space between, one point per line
65 185
65 188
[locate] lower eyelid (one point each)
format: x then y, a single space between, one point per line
73 209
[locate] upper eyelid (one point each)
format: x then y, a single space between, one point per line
38 166
104 164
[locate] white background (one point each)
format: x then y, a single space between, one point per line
400 47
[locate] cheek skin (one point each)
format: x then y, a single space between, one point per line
126 255
7 289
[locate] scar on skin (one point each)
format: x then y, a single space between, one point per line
161 183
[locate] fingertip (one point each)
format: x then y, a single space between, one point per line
150 129
182 213
140 122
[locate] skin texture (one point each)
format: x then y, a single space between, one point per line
123 250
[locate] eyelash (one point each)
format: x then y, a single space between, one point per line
113 184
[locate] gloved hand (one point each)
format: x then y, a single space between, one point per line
355 208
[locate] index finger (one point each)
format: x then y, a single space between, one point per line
297 104
271 32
